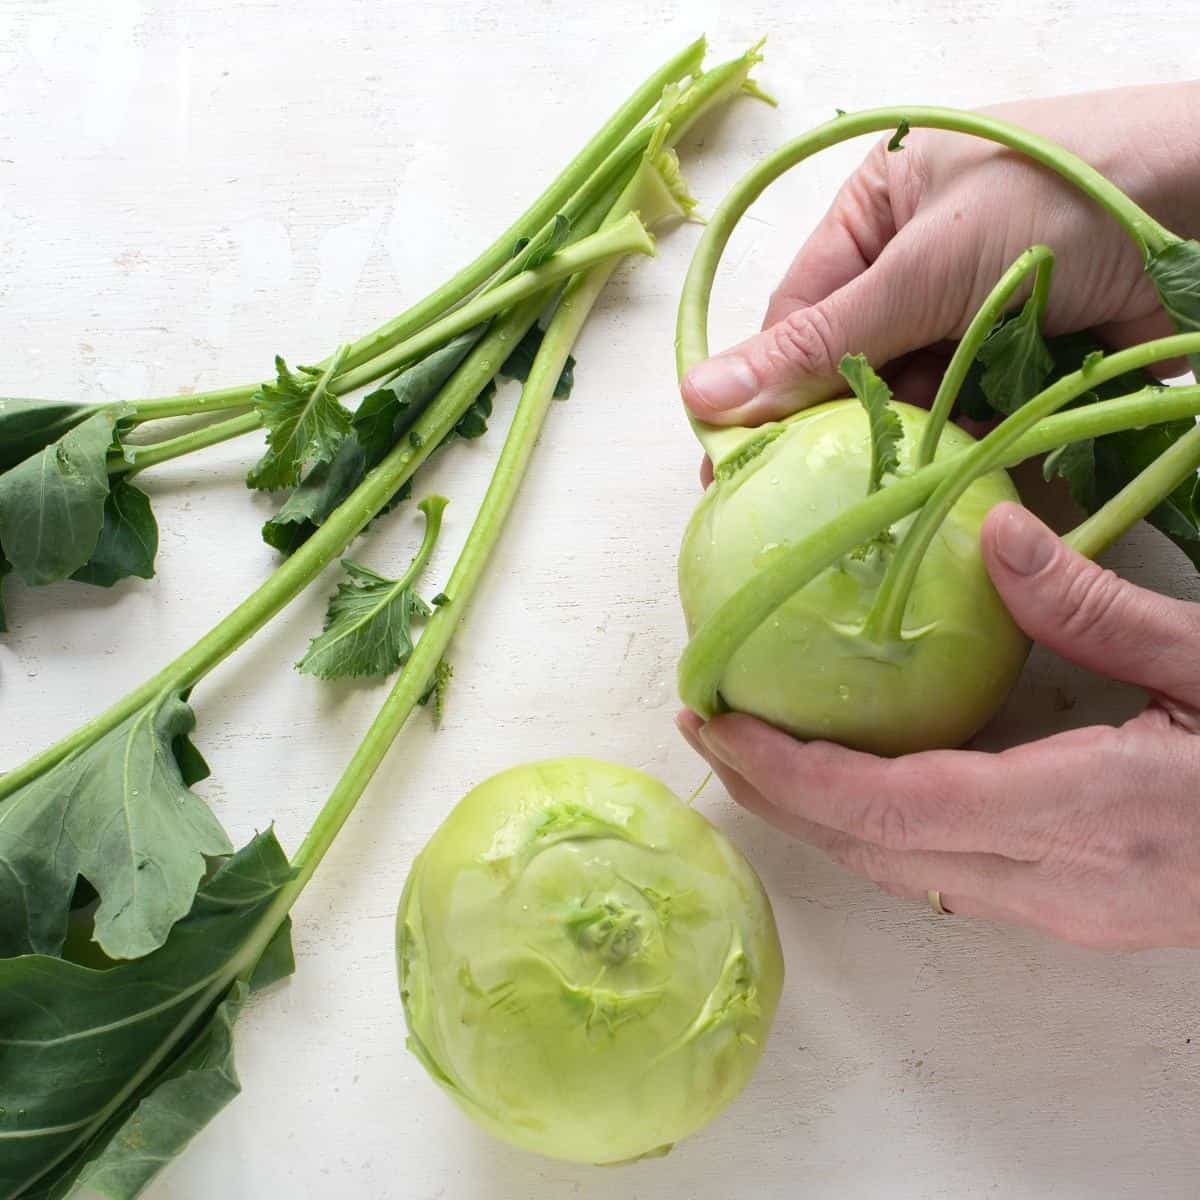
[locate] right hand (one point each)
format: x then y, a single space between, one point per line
916 239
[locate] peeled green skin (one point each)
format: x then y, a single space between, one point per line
807 669
587 966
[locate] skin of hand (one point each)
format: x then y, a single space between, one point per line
1091 835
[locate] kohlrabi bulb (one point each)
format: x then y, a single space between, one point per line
807 669
588 967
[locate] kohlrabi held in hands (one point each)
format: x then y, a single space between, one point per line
831 577
588 967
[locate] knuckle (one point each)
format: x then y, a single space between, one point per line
885 823
802 343
1091 602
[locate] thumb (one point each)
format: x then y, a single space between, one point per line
882 313
1089 615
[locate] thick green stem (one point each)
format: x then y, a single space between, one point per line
196 405
1039 259
1140 496
137 458
884 623
627 236
790 567
691 339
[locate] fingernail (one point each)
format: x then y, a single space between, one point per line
1023 543
722 383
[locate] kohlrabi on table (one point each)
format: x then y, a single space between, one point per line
831 577
131 929
588 967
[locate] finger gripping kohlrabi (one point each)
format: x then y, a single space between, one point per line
832 577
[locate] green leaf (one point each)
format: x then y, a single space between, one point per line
474 422
1016 361
387 413
305 424
1076 463
886 430
52 505
110 1073
120 814
319 493
520 362
128 539
368 627
27 426
1175 271
531 253
897 139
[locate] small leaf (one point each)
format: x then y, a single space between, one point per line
387 413
128 539
52 505
474 422
87 1104
305 424
1092 360
544 245
436 691
368 627
1016 360
1175 271
27 426
886 430
120 814
1076 463
897 138
520 362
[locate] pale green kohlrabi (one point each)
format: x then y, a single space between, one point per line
588 967
808 668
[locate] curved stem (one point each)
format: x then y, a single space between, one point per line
691 338
627 236
790 567
1037 258
196 405
138 458
1138 497
884 622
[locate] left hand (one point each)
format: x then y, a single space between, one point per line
1091 835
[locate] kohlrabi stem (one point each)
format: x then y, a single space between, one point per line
1039 259
134 458
196 405
790 567
536 399
624 237
574 177
691 337
1151 406
1140 496
884 623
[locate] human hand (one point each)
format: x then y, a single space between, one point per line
1091 835
917 238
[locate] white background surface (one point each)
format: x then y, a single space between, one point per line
187 189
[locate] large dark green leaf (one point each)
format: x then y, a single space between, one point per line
108 1074
520 362
1016 361
52 505
1176 274
27 426
121 815
128 539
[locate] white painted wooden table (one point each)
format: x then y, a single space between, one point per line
187 188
